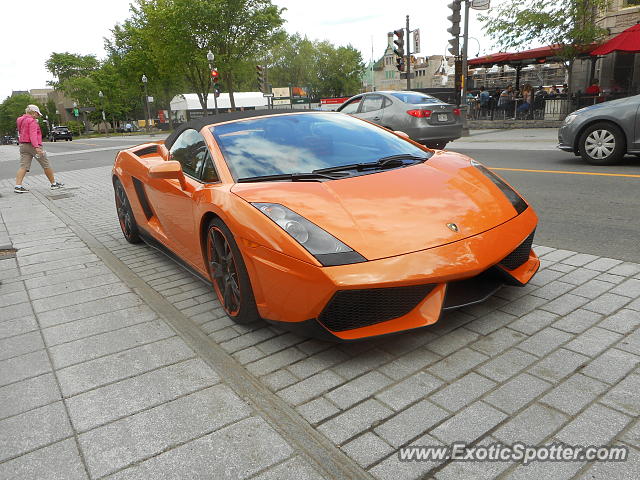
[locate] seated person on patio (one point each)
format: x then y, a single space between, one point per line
593 89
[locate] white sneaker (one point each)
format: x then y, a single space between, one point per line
20 189
57 185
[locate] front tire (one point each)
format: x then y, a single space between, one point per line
602 144
229 274
127 221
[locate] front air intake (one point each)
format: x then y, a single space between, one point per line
349 309
520 255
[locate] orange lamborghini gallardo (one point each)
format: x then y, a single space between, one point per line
323 223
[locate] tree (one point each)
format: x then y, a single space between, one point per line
327 70
133 51
571 23
67 65
181 32
11 109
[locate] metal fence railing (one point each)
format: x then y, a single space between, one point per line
542 107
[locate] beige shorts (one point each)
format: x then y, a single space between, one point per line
28 153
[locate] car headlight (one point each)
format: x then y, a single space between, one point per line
516 200
569 119
326 248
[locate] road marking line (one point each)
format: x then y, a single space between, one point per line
91 144
628 175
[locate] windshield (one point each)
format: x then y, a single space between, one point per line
302 143
416 98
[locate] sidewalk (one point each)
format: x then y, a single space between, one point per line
509 139
116 363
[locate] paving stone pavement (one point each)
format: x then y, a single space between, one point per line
96 382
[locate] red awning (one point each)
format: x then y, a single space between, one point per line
627 41
540 54
489 60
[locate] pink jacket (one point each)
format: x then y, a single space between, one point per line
29 130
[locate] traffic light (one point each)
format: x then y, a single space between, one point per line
399 50
454 29
261 72
215 76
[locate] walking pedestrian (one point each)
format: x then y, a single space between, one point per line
30 138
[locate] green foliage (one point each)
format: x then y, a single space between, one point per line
11 109
75 126
179 34
168 41
67 65
518 23
327 70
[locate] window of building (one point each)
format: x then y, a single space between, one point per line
630 3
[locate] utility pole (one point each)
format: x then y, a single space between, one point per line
146 100
408 56
465 46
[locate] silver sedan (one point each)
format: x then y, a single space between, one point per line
604 132
424 118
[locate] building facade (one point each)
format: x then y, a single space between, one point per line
618 71
435 71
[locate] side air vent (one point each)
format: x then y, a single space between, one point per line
142 198
149 150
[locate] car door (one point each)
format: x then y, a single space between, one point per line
372 108
173 204
351 106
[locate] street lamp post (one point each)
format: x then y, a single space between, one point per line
146 101
210 58
104 120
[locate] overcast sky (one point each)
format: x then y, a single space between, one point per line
32 30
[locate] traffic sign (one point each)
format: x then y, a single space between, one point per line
480 4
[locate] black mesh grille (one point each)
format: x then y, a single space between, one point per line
519 255
350 309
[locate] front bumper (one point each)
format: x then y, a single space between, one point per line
298 295
566 138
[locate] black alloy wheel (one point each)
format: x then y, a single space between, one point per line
229 274
125 215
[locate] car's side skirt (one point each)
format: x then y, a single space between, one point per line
153 243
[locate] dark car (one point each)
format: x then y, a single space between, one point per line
60 133
8 140
424 118
603 133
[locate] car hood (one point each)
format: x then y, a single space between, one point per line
610 103
393 212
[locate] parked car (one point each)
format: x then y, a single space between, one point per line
60 133
8 140
603 133
323 223
424 118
